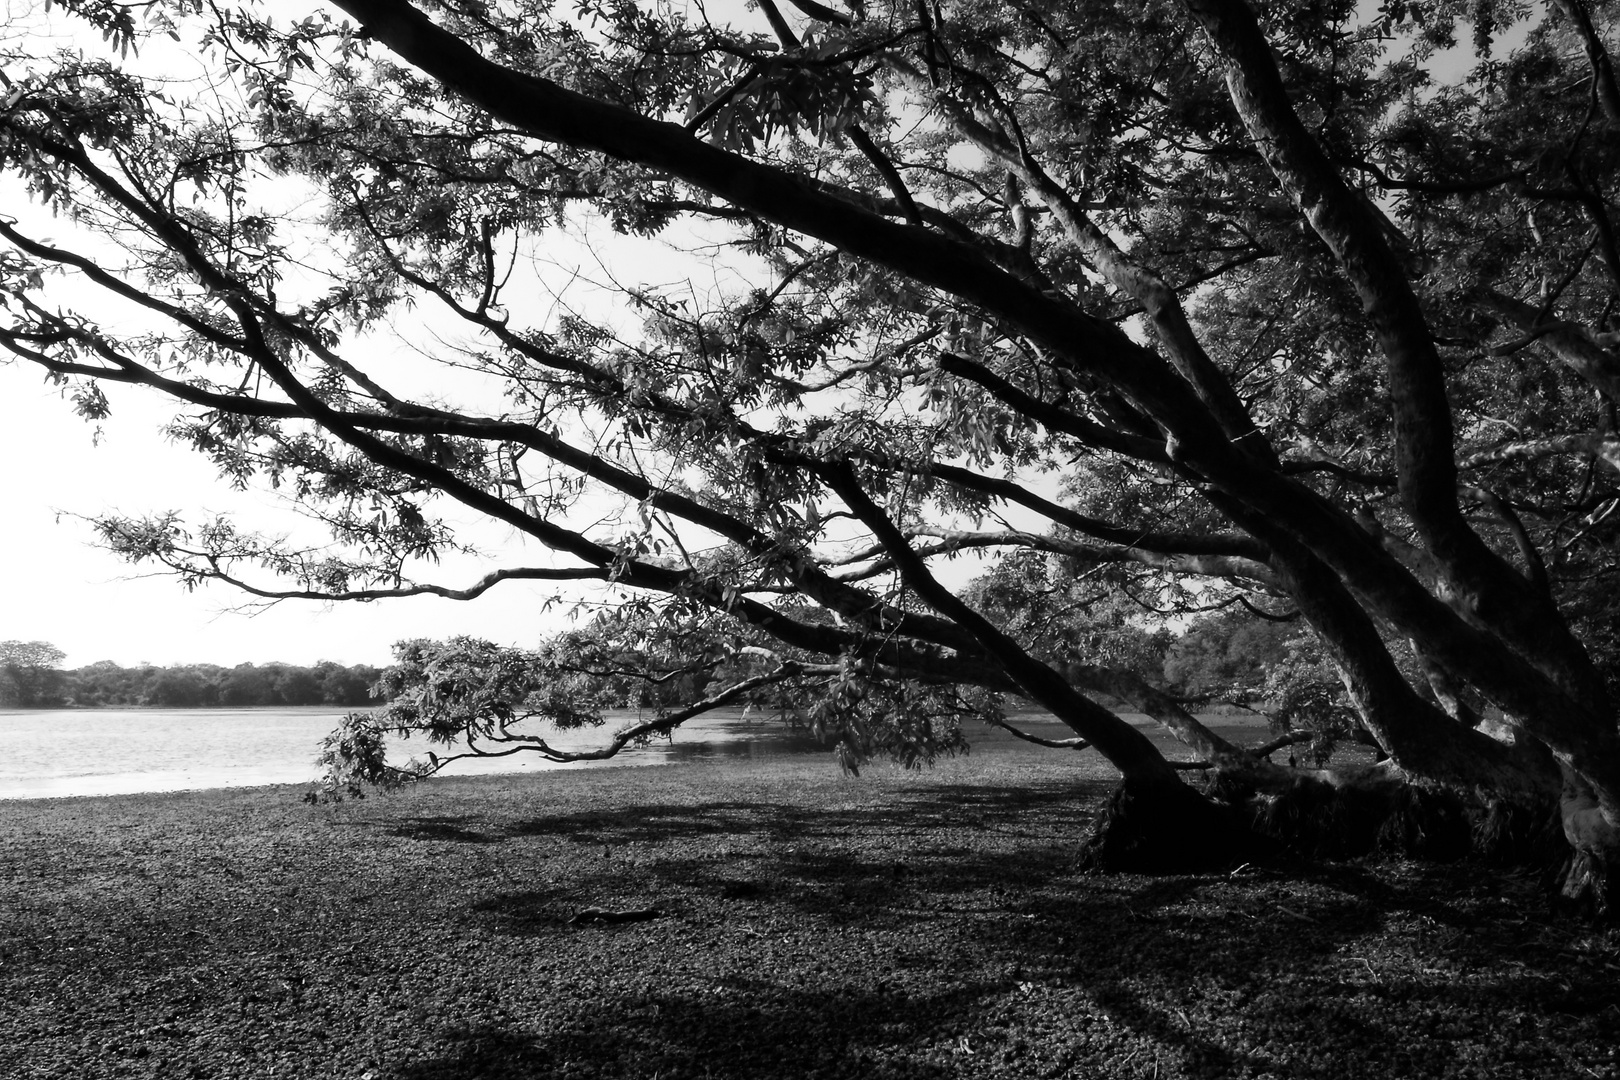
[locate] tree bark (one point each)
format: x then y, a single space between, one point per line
1566 342
1424 451
1127 749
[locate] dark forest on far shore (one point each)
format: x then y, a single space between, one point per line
186 685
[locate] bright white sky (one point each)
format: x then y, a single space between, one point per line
56 470
58 587
59 469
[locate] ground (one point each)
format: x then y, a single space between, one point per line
811 925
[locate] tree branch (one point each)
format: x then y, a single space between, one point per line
822 13
1129 276
1020 733
662 725
1566 342
961 539
1128 749
880 161
1608 93
1603 446
1424 433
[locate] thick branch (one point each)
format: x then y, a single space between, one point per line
1128 749
1608 93
1353 230
891 176
1566 342
548 111
1231 544
962 539
1165 711
1604 447
1412 730
1128 275
822 13
1535 569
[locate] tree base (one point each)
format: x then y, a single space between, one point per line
1152 827
1589 887
1313 819
1511 833
1349 816
1157 828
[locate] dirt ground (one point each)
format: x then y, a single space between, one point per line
802 924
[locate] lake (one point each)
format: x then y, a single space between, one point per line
47 753
59 752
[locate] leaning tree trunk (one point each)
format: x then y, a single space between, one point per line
1516 645
1525 663
1154 823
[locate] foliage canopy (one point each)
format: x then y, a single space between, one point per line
1173 303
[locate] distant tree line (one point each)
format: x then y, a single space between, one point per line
1228 657
31 678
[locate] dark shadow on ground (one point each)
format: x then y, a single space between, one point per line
919 808
744 1029
937 931
440 828
1119 970
482 1051
1141 955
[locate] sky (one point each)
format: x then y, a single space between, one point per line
58 586
56 470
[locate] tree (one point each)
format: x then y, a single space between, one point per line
246 684
294 685
1229 654
1269 664
180 688
341 685
1200 299
104 683
29 675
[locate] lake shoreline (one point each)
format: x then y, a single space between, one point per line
109 752
65 753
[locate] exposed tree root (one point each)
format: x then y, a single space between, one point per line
1311 819
1515 834
1327 817
1426 824
1151 828
1169 828
1589 885
1314 818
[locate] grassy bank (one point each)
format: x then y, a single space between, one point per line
895 925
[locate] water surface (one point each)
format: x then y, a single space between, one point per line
48 753
58 752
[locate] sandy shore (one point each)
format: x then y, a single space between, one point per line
808 925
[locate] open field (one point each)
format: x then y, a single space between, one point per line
811 925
